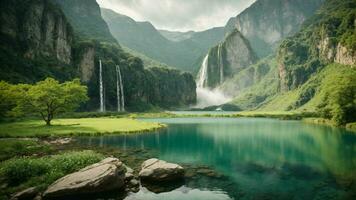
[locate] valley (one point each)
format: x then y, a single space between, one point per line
99 104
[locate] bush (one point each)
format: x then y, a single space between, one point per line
49 168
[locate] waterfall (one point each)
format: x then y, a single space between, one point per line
101 88
119 90
205 96
203 73
220 64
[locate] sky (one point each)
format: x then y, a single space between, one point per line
179 15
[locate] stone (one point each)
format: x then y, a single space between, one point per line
61 141
29 193
107 175
159 170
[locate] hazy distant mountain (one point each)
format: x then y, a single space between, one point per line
177 36
144 38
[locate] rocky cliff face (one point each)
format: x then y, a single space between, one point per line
36 28
228 58
87 64
266 22
329 37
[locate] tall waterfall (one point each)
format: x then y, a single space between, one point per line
220 64
101 88
203 73
206 96
119 90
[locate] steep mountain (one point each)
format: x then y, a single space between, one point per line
226 59
314 69
144 38
40 38
326 38
36 41
266 22
85 16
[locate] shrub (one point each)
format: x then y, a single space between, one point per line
49 168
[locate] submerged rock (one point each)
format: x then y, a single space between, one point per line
29 193
107 175
159 170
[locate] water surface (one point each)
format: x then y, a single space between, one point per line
259 158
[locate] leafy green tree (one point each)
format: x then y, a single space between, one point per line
339 103
49 97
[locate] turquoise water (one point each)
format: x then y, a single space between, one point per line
258 158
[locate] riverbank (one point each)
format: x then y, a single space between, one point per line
326 122
76 127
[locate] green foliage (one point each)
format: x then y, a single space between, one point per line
339 98
49 97
308 51
47 169
14 147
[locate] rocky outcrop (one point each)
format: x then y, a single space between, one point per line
228 58
338 53
265 23
41 29
109 174
159 170
87 64
328 38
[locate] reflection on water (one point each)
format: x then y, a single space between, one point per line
179 194
262 157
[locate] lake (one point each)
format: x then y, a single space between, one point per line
251 158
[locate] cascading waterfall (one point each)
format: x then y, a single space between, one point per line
119 90
203 73
220 64
205 96
101 88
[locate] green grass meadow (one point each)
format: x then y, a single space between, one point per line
73 127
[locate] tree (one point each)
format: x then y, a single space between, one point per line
49 98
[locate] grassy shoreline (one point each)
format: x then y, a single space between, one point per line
76 127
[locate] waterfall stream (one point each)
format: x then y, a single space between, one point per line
119 90
206 96
101 88
220 64
203 73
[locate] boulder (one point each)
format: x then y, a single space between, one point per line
29 193
107 175
159 170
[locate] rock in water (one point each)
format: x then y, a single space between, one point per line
159 170
109 174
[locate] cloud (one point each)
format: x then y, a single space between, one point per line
180 15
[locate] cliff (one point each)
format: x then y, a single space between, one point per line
228 59
326 38
36 29
266 22
37 41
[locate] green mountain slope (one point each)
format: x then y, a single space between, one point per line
86 18
313 71
42 39
145 39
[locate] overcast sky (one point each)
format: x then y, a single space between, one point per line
182 15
